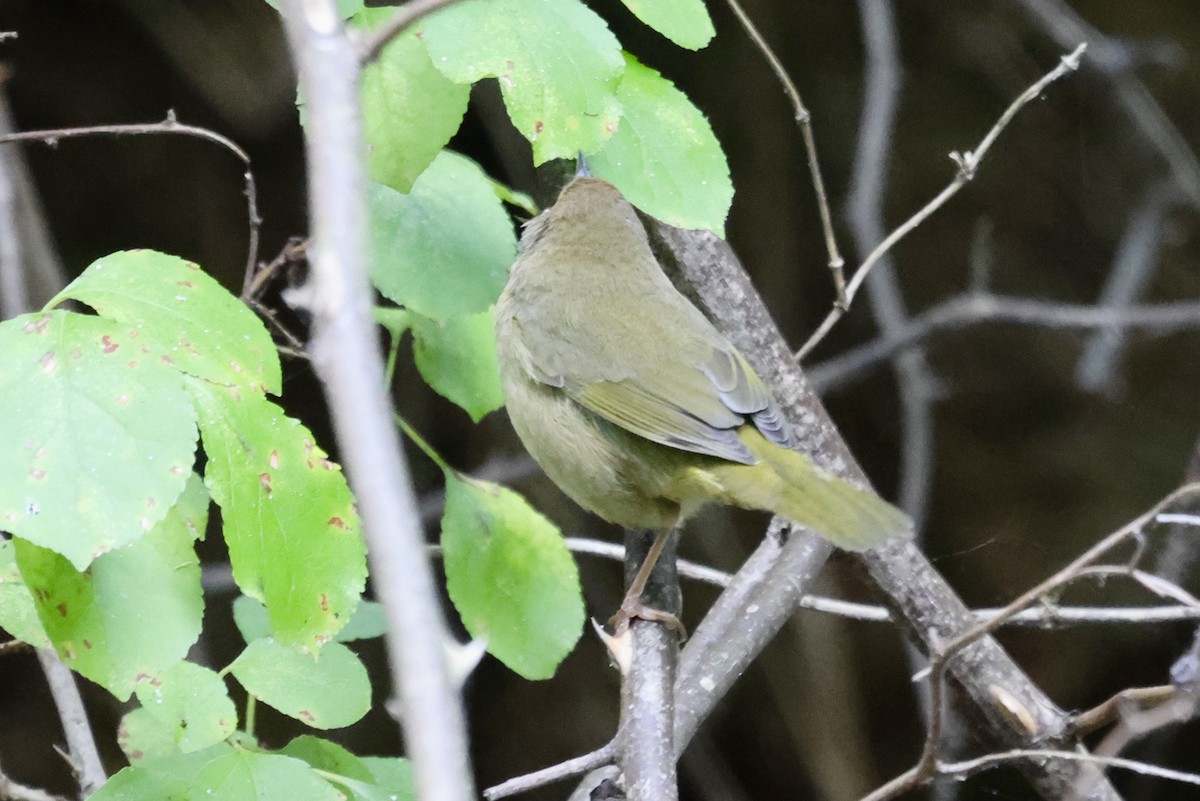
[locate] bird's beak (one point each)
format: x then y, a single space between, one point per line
581 166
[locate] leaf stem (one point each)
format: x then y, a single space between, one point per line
425 447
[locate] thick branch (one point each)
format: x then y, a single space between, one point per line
709 272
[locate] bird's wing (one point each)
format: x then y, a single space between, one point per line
693 407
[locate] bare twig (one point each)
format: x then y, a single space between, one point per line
168 126
347 359
968 163
1067 27
928 766
556 773
1133 267
14 293
405 16
804 121
969 767
85 758
15 791
973 309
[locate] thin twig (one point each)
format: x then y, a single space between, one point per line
555 773
405 16
15 791
969 767
1110 60
804 120
85 758
927 765
346 357
974 309
968 163
168 126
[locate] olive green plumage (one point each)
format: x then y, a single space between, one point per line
632 402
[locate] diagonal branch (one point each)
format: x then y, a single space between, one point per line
932 613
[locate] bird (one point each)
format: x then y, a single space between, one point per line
636 406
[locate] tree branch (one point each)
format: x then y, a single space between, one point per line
708 271
347 359
81 744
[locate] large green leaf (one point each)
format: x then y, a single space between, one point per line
410 109
98 439
18 615
181 317
664 157
510 576
328 690
289 518
136 611
444 249
556 61
187 706
684 22
172 777
457 356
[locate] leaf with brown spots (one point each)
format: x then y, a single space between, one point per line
182 315
87 438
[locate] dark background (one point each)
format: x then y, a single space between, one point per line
1029 468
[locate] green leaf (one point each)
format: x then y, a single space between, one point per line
144 738
510 576
181 317
684 22
169 778
244 775
444 249
98 440
367 778
328 691
18 616
186 705
664 157
458 358
556 61
289 518
394 776
136 611
366 623
410 109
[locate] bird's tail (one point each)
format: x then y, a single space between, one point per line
789 484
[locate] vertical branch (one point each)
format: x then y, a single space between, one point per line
918 388
645 747
82 745
347 359
1133 267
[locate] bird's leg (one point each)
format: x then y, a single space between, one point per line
632 605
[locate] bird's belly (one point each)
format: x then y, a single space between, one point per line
587 458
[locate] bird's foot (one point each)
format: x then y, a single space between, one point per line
632 607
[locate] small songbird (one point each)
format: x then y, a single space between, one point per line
635 405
